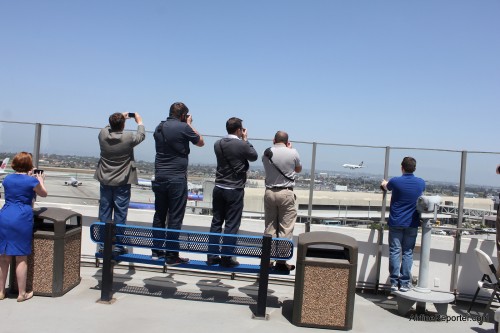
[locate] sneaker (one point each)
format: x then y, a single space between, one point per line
406 287
172 261
394 287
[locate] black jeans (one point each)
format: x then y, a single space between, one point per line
170 206
228 208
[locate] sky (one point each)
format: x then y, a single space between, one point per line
418 74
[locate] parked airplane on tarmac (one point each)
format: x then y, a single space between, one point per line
146 183
73 182
3 167
354 166
192 196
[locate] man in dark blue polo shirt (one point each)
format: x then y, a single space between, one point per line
172 138
403 223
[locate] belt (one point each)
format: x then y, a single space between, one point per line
282 188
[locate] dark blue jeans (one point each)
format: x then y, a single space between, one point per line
401 245
114 201
170 206
228 208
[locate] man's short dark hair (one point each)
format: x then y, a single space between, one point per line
281 137
409 164
117 121
177 110
233 124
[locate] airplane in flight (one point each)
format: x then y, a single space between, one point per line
73 182
354 166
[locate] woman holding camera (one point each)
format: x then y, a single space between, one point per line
16 221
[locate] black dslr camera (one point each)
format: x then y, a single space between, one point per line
268 153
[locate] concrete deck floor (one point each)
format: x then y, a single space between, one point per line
149 300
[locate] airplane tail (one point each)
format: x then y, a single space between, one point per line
4 164
361 164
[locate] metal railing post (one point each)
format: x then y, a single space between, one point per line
458 238
36 145
311 189
380 236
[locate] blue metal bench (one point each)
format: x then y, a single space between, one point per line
263 247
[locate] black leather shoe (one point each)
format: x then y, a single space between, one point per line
213 261
172 261
229 262
157 255
284 267
119 250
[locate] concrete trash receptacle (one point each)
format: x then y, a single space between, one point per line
54 264
325 280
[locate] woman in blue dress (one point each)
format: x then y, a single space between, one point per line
16 221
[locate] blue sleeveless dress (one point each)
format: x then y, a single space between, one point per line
16 216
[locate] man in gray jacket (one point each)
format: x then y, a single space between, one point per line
116 169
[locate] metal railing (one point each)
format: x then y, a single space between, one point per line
460 211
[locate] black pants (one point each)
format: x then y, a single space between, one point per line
228 208
170 206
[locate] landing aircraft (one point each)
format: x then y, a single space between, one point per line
353 166
73 182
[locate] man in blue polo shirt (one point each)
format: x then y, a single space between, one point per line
403 223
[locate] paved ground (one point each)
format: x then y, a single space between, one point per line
156 302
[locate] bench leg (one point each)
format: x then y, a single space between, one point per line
263 278
404 305
107 265
441 308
